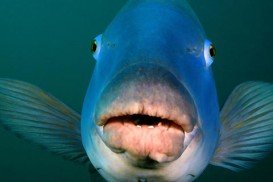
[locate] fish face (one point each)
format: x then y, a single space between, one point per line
143 114
151 108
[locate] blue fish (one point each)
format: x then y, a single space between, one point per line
151 111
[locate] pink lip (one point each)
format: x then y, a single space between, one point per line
160 141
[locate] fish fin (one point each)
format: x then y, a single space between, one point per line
246 134
34 115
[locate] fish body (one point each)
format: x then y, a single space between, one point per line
151 111
166 37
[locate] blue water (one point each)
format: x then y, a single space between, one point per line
46 42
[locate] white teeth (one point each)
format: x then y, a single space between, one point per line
138 126
151 127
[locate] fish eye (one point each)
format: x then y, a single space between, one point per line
212 51
209 52
96 47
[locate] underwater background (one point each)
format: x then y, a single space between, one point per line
46 43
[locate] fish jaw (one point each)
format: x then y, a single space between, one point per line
159 143
144 113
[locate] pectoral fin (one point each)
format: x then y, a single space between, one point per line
38 117
247 126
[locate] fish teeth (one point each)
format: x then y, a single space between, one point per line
138 126
151 127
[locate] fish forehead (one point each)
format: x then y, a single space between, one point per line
148 27
166 33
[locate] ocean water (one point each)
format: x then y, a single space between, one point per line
46 43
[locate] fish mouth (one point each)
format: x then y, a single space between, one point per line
145 139
146 118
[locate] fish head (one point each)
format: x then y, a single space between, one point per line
151 109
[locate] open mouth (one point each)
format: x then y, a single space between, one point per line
146 137
146 116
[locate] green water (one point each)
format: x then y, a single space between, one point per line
46 42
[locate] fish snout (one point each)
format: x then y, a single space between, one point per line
145 112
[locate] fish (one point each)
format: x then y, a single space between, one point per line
151 110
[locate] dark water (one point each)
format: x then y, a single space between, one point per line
46 42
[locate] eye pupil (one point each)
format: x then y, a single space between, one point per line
94 46
212 50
